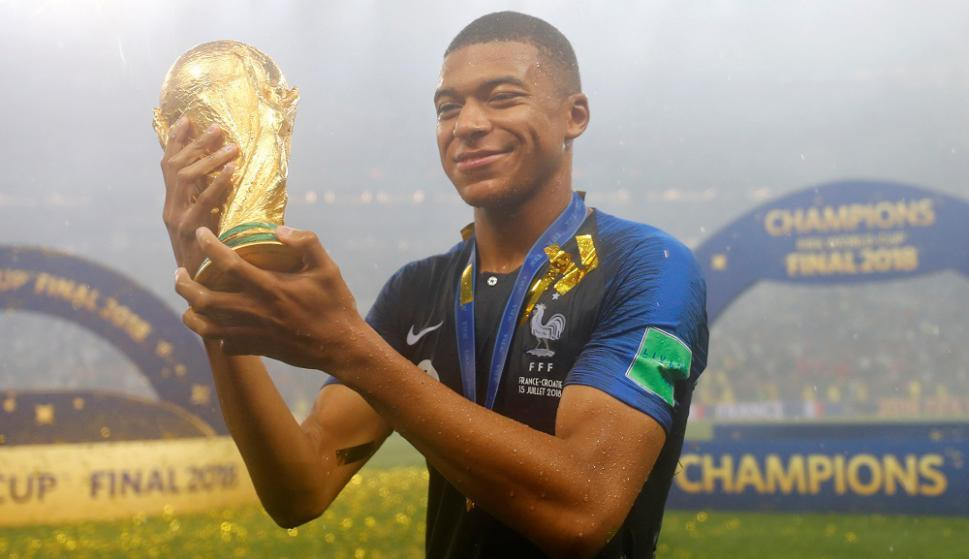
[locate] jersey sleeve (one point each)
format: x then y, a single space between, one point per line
384 315
651 329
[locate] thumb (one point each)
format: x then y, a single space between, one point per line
306 243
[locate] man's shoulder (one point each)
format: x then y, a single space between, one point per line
631 243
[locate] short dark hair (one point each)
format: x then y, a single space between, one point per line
515 26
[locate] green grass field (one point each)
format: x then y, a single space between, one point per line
381 514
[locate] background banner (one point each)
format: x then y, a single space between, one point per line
130 318
883 468
836 233
846 232
46 484
87 454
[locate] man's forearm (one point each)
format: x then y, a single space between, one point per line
534 481
281 459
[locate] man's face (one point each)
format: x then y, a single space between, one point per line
501 122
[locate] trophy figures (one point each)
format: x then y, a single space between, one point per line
242 91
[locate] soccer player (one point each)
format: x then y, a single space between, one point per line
543 366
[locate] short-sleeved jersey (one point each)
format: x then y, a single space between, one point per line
624 312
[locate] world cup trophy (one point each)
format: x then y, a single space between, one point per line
241 90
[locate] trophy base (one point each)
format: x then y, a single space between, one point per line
257 244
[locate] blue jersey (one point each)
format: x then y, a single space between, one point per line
619 307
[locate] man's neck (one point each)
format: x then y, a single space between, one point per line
504 235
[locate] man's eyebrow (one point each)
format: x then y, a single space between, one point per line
487 85
444 92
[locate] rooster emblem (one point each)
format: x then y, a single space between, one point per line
545 331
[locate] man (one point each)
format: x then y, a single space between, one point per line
543 366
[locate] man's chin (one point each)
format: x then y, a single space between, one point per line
490 194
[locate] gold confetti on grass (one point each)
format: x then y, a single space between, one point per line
802 536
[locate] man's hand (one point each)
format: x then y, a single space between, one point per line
308 318
189 203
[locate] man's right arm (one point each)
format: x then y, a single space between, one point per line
297 469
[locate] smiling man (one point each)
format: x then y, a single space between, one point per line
543 366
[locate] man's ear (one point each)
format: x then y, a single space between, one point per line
577 105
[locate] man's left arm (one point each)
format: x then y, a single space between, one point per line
568 492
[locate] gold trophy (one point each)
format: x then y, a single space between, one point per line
243 92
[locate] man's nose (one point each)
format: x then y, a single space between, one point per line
471 122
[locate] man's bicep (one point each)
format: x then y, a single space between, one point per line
621 441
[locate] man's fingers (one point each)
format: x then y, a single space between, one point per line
203 300
188 288
234 340
201 146
178 136
308 245
215 314
202 325
200 299
209 205
183 183
208 163
209 328
229 262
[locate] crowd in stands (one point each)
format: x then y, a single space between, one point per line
888 350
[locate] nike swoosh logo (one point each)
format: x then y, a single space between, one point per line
413 338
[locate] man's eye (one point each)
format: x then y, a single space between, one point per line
447 109
503 96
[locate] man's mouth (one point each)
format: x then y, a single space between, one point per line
476 159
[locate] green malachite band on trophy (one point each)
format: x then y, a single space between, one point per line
245 227
249 239
241 237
